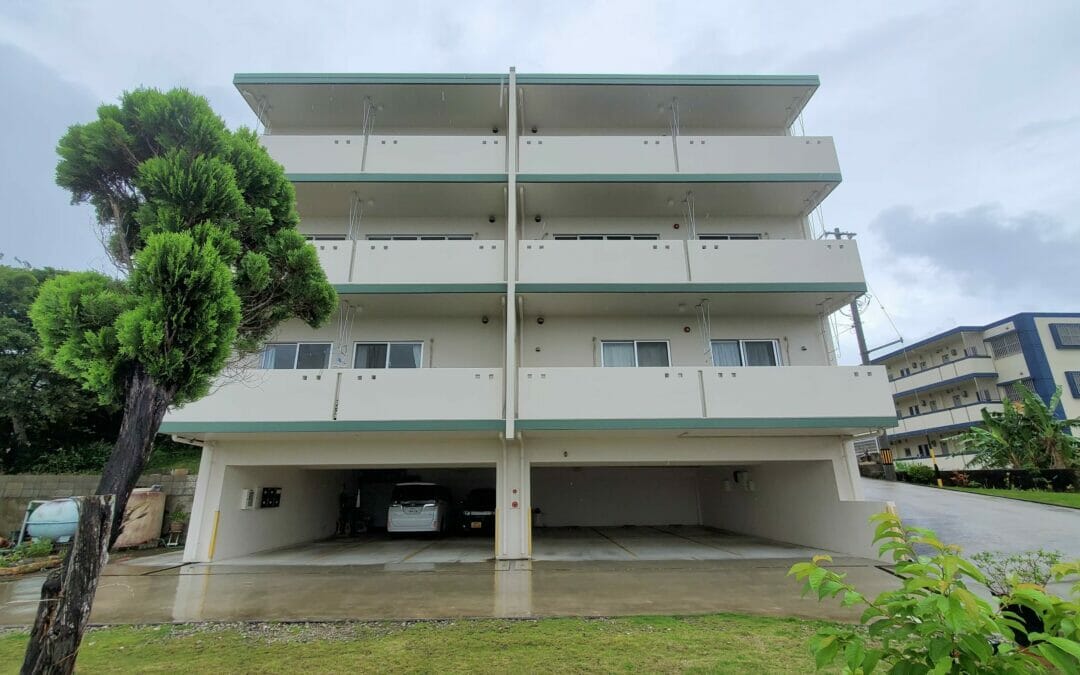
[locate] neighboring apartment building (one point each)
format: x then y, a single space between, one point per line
599 294
942 384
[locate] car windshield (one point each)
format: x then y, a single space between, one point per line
415 493
481 500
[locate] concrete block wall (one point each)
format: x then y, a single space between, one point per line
16 491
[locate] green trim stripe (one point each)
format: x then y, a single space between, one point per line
808 287
679 177
369 78
397 177
710 423
399 289
331 425
682 80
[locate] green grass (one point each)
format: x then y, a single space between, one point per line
716 643
1071 499
165 459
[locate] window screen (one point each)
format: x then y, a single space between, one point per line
313 356
760 353
276 357
1005 345
288 355
388 355
619 355
726 353
627 353
404 355
652 354
1066 334
1073 378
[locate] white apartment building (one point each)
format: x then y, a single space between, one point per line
942 384
598 294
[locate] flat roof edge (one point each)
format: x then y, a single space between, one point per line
667 79
369 78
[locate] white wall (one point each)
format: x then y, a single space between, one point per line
795 502
614 496
308 511
1061 361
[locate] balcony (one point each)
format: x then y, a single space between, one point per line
398 266
343 155
826 399
962 369
347 400
738 158
953 419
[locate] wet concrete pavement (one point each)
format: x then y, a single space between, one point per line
981 523
587 572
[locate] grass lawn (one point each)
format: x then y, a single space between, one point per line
1042 496
714 643
165 459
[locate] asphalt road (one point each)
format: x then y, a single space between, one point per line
981 523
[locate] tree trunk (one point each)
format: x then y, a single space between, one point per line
66 598
67 594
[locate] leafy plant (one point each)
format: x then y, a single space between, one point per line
26 551
920 473
933 622
179 516
1025 435
1005 571
961 479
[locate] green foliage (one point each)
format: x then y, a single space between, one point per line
27 551
1004 571
918 473
202 222
45 417
1024 436
179 516
933 623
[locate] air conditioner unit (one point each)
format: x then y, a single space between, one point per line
247 500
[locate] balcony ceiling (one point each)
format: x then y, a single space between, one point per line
810 303
392 200
596 199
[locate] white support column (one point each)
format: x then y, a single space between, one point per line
511 350
513 532
205 506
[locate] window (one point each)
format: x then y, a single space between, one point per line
1066 335
324 237
388 355
956 401
933 406
907 452
729 237
913 410
1012 390
971 351
1073 378
922 364
944 447
904 372
419 237
745 353
1005 345
924 450
606 237
296 355
953 352
635 353
944 358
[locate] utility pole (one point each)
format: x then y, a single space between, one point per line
864 353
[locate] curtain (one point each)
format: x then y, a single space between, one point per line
760 353
618 354
726 353
652 354
405 355
278 357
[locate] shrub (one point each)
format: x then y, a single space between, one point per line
920 473
934 623
960 479
1004 571
38 548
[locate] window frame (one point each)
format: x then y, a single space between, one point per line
1013 347
296 355
732 236
666 343
615 236
777 354
388 343
1060 341
1072 378
418 237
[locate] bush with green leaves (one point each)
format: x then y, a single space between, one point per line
26 552
934 623
1006 571
1027 434
918 473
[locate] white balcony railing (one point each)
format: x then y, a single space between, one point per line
412 262
971 366
783 396
277 396
790 261
343 154
968 414
736 155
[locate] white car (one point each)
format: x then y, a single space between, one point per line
418 507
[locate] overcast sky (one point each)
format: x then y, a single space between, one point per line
958 130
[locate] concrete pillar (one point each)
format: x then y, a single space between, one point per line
202 528
513 529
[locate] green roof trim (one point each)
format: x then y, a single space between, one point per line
678 177
679 80
330 425
690 287
708 423
397 177
370 78
402 289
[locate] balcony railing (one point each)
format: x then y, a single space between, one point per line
734 155
943 419
821 397
389 263
317 399
964 368
750 264
342 154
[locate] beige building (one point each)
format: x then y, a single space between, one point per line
942 384
598 294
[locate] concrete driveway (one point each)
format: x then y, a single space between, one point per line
981 523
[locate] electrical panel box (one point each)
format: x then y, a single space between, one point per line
247 500
271 498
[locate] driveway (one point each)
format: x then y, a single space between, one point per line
981 523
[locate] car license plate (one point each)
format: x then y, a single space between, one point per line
412 509
476 524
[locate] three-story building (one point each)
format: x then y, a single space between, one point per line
598 294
